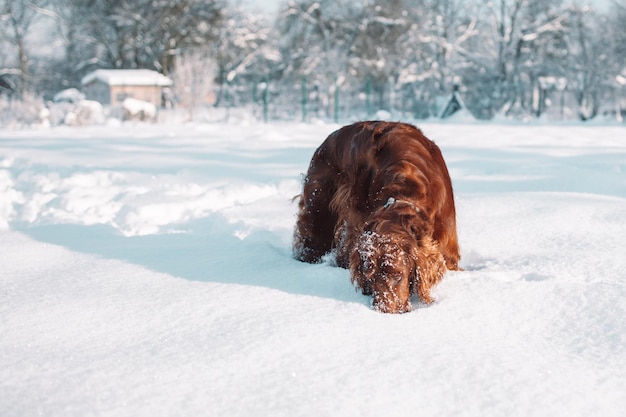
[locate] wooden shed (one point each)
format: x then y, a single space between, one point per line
112 87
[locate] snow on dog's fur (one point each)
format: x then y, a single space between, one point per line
379 195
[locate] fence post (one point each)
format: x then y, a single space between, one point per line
228 100
304 99
265 92
336 109
392 96
368 97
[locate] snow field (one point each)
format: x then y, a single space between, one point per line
147 270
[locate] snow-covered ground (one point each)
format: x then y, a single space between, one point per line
146 270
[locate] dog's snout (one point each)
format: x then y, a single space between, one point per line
389 302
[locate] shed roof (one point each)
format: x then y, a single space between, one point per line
127 77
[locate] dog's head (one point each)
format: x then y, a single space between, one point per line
381 267
391 259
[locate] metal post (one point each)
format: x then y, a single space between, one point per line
392 96
304 99
336 110
368 96
265 93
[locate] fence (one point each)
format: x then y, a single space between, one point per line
304 100
309 99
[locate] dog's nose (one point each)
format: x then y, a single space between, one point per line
407 308
390 303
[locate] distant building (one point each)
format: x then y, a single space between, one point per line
5 87
112 87
455 106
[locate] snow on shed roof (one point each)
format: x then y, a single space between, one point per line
127 77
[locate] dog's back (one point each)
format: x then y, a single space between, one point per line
356 171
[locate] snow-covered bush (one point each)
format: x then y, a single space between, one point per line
68 107
86 112
71 95
26 112
80 113
133 109
57 112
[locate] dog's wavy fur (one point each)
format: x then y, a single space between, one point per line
378 194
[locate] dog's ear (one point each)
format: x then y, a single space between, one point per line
362 260
429 268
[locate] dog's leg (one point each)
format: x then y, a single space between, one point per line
430 268
315 225
450 250
445 236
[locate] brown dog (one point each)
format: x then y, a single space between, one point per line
379 196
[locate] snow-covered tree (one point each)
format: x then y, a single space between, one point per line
315 42
193 81
505 56
519 32
588 63
438 47
244 53
178 25
380 49
617 56
17 17
142 33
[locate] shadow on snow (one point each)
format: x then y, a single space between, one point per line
209 252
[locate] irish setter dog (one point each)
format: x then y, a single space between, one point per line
378 195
